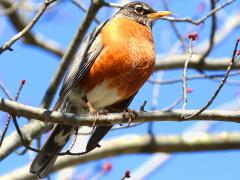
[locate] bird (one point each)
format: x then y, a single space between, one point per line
112 64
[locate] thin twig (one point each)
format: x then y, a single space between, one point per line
9 116
126 127
231 64
174 104
24 141
155 99
20 153
25 144
197 22
113 5
212 35
84 9
142 107
74 140
5 130
214 77
184 86
7 46
19 90
174 27
5 91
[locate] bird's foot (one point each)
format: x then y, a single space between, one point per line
130 114
96 114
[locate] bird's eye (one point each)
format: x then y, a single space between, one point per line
139 9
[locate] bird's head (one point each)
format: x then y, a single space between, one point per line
142 13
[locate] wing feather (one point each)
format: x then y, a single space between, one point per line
84 59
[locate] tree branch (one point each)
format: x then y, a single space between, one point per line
177 62
142 144
45 115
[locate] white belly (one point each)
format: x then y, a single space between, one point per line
101 96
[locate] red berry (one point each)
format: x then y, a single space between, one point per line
23 82
107 167
193 36
127 174
189 90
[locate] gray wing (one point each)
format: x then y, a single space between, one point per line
84 59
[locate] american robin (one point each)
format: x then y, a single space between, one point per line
112 64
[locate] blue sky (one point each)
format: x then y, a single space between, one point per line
38 67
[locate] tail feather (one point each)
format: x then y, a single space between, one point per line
45 160
97 136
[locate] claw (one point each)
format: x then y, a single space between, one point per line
95 114
131 114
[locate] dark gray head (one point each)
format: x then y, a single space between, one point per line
141 12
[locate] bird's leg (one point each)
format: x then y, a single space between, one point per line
91 110
94 111
131 114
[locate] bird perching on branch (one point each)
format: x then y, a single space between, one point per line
113 62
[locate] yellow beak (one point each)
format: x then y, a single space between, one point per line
156 15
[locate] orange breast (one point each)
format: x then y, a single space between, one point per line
127 59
